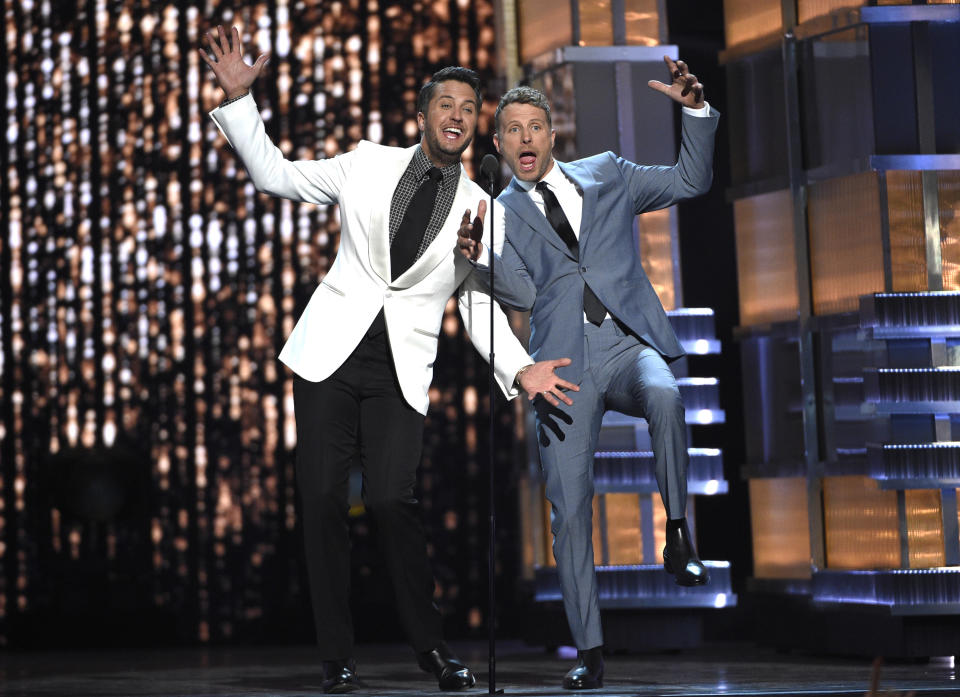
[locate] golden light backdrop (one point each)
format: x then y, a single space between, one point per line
148 430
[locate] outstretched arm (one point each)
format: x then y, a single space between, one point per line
655 187
310 181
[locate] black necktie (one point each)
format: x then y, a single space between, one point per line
406 243
592 307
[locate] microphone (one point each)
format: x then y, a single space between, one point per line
489 166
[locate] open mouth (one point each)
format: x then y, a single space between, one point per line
528 159
452 133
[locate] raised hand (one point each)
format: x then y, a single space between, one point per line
233 75
470 234
684 88
539 379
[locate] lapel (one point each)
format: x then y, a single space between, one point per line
378 230
582 177
519 201
444 244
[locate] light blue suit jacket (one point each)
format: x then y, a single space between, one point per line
536 271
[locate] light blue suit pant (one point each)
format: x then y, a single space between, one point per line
622 374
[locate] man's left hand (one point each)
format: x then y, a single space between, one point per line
684 88
539 379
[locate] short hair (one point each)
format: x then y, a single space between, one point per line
522 95
453 72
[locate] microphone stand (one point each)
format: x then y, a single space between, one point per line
489 167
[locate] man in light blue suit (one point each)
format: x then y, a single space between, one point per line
568 255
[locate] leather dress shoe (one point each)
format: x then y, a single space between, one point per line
450 672
340 677
588 673
680 558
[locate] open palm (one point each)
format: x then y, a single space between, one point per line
233 75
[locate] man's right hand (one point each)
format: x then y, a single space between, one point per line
470 234
233 75
539 379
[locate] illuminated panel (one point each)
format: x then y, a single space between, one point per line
624 538
656 253
861 524
846 250
745 20
643 22
924 528
949 194
659 527
808 9
597 532
766 258
780 526
908 255
596 23
544 26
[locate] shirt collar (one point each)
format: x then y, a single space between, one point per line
421 163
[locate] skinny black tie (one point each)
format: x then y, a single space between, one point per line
592 307
406 243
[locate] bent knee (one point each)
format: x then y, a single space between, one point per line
662 400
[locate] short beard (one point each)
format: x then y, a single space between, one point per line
437 146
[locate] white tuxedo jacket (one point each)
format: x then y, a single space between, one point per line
358 283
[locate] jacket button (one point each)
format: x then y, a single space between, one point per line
583 268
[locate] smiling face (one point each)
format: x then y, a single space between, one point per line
525 140
450 122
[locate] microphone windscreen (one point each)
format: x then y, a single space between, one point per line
489 165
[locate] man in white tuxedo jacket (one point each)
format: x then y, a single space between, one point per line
567 254
364 348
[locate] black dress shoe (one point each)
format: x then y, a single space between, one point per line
588 673
340 677
680 558
449 670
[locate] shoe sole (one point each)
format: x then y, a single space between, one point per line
598 686
668 567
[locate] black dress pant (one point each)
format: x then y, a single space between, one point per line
360 410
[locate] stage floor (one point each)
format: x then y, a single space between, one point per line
727 669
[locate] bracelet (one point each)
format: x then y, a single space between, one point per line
235 99
516 379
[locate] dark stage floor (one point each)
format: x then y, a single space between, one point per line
388 670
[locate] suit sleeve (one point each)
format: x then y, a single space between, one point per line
513 285
653 187
308 181
509 356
